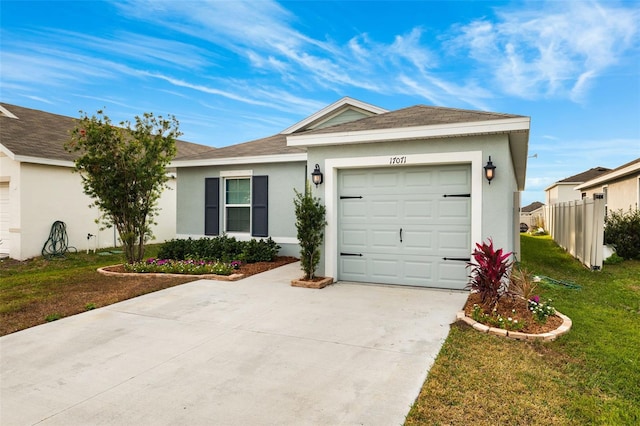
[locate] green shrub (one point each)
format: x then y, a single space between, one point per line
222 248
622 231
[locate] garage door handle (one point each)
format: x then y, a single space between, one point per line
459 259
400 234
351 254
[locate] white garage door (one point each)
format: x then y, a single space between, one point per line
407 226
4 218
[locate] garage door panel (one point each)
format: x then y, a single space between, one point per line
452 273
411 199
418 209
383 210
451 241
458 209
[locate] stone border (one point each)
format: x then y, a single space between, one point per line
517 335
312 284
232 277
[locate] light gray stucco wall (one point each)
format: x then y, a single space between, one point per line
498 197
283 179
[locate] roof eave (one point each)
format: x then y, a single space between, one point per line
256 159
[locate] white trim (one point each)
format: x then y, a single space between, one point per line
258 159
7 113
38 160
416 132
631 168
332 165
333 107
236 173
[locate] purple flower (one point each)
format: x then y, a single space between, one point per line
535 298
161 262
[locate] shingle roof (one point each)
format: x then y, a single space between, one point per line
418 115
585 176
531 207
272 145
42 134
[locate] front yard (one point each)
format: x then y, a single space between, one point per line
589 376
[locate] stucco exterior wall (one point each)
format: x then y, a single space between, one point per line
42 194
283 179
560 192
622 194
496 201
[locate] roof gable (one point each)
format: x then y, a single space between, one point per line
630 168
343 110
532 207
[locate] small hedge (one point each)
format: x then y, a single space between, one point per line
622 231
222 248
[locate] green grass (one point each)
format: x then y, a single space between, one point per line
589 376
38 278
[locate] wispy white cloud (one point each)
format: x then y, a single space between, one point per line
551 49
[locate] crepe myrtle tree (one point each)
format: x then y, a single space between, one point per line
123 169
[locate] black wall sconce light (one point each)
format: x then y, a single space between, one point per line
489 171
316 176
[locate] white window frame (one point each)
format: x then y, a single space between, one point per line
234 175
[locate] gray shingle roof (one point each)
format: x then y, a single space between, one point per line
42 134
418 115
531 207
272 145
585 176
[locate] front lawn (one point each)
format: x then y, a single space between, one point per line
589 376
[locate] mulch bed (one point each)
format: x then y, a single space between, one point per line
505 308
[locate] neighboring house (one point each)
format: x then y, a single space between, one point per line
533 214
620 187
405 191
38 187
565 189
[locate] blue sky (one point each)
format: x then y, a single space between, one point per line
232 71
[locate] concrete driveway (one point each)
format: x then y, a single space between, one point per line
251 352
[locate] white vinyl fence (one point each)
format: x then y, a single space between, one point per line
578 227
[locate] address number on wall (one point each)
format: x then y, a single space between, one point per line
397 160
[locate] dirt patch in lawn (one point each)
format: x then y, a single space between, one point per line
90 290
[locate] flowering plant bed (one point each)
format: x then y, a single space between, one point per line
194 268
514 317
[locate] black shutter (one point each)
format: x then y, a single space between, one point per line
212 206
260 206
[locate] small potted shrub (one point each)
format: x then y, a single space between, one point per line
310 223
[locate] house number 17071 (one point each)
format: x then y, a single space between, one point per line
398 160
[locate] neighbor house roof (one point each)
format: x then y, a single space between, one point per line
532 207
632 167
30 135
585 176
580 177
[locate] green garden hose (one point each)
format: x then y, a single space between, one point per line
58 243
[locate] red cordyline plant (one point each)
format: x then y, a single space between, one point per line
488 273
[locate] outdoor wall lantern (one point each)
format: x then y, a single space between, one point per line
316 176
489 171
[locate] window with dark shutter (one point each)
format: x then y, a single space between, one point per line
212 206
260 206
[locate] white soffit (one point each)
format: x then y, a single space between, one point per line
417 132
331 109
